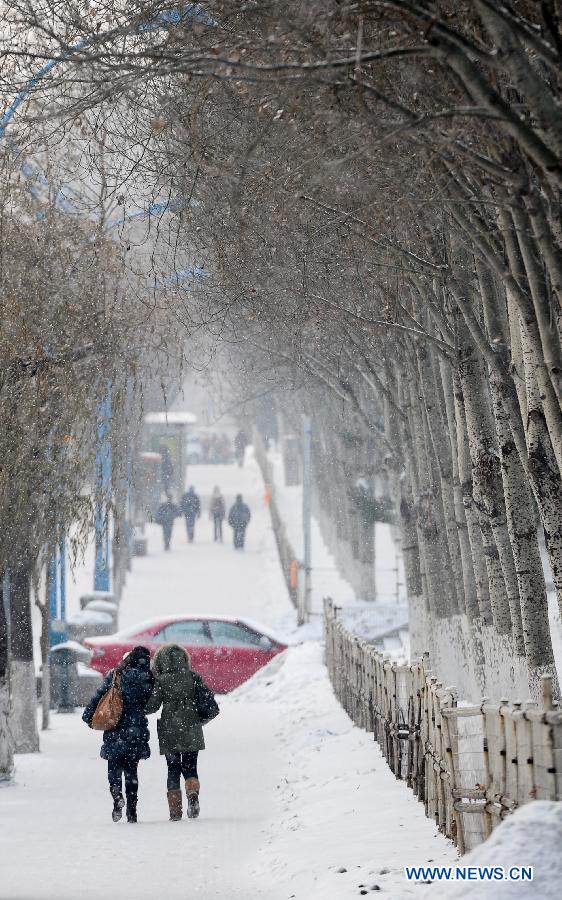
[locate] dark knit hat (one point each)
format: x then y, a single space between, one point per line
138 658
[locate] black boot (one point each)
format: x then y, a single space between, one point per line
118 803
131 809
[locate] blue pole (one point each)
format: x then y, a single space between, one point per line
54 637
62 578
103 490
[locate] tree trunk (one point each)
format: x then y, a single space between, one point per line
23 718
531 337
6 741
442 453
520 514
547 326
523 535
488 496
467 552
430 521
410 546
485 572
45 667
543 472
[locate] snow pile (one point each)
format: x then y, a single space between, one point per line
385 625
90 617
532 836
340 824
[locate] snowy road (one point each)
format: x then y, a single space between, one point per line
296 802
207 577
58 841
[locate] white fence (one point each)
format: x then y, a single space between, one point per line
470 765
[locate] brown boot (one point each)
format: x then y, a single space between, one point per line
192 791
174 803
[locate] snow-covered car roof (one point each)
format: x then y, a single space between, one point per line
140 627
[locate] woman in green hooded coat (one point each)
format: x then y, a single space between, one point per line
178 690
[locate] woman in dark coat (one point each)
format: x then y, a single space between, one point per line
126 744
238 519
180 731
166 514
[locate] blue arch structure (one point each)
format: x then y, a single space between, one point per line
190 13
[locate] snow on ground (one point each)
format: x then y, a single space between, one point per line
383 624
340 822
59 843
532 836
208 577
292 792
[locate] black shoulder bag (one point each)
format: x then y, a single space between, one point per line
205 703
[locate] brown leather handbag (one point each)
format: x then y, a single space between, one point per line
109 709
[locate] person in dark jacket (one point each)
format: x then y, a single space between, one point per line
167 512
238 519
180 732
166 469
240 444
191 508
217 511
125 745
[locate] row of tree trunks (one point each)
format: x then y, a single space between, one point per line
23 719
6 741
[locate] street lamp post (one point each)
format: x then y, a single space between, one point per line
56 580
103 491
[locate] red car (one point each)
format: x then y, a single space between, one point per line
226 652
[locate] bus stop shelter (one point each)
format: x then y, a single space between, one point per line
166 434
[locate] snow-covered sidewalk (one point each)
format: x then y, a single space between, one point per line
59 843
341 825
296 801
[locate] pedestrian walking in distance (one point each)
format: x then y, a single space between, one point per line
217 512
167 512
127 743
187 702
191 509
238 519
240 444
166 469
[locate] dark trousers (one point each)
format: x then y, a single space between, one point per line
239 538
217 522
167 532
190 528
127 766
181 764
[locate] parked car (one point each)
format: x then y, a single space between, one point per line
225 651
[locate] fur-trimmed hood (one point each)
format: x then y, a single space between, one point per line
171 658
179 728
